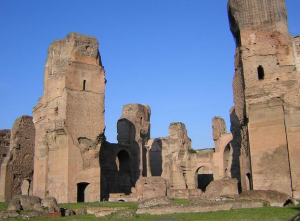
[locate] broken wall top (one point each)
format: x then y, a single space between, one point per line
76 47
73 63
177 130
130 111
253 13
218 127
4 144
178 137
134 123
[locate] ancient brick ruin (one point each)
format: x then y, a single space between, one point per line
266 96
4 146
17 167
73 162
69 122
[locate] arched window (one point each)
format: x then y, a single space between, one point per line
84 82
260 72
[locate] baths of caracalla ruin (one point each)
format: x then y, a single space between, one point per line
62 151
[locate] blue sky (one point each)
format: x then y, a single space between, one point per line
176 56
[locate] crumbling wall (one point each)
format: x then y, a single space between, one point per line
296 43
223 159
150 187
4 145
17 168
69 121
124 163
176 158
173 159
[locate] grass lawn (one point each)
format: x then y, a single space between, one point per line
265 213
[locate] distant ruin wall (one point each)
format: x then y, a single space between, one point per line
17 168
4 146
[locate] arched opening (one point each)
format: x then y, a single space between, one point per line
123 161
84 85
124 172
203 177
82 192
260 73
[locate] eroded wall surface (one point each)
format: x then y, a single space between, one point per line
17 167
69 121
266 95
176 161
225 157
4 146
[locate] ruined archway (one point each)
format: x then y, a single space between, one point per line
203 177
123 161
124 172
82 193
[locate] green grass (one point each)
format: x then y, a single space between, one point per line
3 206
258 214
74 206
181 201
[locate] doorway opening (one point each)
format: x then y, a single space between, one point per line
81 192
203 177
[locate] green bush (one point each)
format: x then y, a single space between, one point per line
192 151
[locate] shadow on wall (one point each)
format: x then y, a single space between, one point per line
236 144
155 156
119 162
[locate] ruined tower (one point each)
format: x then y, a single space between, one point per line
266 96
69 122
